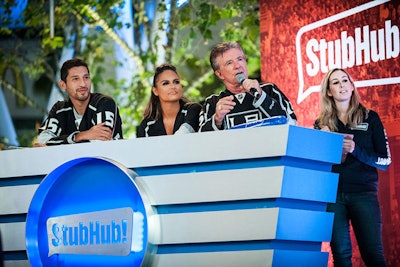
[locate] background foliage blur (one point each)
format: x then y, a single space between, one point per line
91 28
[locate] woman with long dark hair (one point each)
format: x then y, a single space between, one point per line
167 111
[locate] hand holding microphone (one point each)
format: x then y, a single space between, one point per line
253 91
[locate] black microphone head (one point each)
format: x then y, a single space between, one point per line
240 77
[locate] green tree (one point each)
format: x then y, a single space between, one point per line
192 30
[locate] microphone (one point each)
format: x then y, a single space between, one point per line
253 91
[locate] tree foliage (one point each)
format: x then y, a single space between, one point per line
191 32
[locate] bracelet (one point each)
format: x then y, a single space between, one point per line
74 137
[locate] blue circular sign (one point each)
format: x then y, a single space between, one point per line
89 212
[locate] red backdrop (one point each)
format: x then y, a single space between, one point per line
301 40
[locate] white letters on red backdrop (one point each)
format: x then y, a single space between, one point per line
302 40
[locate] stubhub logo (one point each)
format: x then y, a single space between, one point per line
115 232
363 47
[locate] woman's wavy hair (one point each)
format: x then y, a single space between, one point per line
329 114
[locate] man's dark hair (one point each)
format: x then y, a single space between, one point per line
75 62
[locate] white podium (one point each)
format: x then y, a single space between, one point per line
245 197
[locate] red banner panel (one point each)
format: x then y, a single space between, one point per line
301 40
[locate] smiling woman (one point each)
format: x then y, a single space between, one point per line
365 149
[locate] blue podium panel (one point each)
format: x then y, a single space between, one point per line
314 145
290 258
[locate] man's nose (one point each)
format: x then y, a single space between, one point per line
235 63
83 82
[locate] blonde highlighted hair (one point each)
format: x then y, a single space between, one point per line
329 115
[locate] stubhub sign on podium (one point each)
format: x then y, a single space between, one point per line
88 212
246 197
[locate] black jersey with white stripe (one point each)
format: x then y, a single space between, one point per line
359 171
61 122
188 116
248 109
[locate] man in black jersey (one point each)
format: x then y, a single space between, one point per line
244 100
85 116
